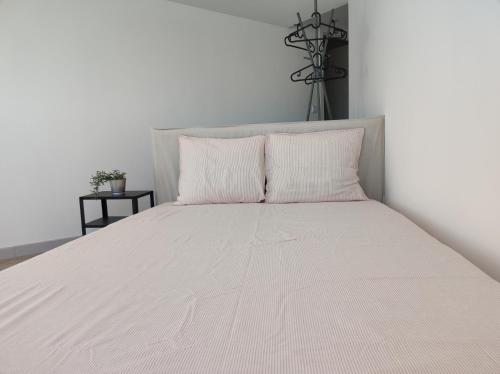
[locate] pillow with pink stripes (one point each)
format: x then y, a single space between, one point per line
314 167
221 170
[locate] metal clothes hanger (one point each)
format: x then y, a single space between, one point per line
316 53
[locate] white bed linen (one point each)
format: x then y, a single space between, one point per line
314 167
221 170
254 288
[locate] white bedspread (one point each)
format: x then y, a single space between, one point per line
254 288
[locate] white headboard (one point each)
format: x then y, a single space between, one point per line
371 166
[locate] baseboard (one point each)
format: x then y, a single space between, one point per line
31 249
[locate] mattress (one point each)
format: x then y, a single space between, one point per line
254 288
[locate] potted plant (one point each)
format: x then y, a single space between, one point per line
116 180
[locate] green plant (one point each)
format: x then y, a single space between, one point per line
102 177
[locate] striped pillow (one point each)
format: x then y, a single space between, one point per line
314 167
221 170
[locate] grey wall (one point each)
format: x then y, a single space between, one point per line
82 82
435 75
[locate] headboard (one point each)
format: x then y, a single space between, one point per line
371 166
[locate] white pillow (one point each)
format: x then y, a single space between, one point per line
314 167
221 170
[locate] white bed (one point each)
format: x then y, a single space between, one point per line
251 288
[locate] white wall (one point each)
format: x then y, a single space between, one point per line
433 67
82 82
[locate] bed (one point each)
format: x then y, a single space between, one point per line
253 288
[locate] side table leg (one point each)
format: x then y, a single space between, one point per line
104 208
82 217
135 206
151 199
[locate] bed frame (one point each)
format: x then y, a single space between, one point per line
371 166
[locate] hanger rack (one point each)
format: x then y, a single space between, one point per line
315 74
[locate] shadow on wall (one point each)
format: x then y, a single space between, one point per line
338 89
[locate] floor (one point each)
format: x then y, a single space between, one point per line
4 264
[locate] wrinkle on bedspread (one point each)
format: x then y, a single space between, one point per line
251 288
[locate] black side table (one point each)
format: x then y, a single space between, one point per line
104 196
